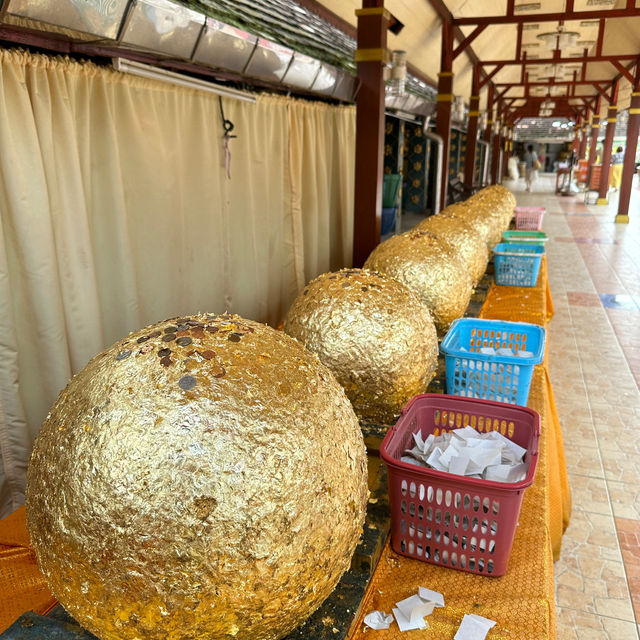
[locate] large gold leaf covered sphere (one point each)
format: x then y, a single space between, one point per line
373 333
469 243
431 268
204 478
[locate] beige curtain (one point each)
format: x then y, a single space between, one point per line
116 212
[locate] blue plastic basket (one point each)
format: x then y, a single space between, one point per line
504 378
517 265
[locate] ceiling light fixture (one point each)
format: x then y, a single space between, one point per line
528 6
600 3
559 39
155 73
530 27
589 23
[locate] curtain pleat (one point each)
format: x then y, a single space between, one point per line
116 212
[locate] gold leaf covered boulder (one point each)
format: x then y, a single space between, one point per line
203 478
480 224
431 268
469 243
373 333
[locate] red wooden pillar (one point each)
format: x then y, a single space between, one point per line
595 130
497 144
444 100
582 150
506 150
612 112
629 165
488 132
371 56
575 144
472 127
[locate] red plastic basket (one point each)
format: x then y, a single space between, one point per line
450 520
529 218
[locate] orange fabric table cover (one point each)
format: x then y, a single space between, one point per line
22 586
522 602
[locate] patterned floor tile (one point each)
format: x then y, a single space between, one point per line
577 625
581 299
583 240
629 536
594 365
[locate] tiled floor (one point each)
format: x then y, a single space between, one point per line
594 340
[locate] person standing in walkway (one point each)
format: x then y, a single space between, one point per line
531 165
617 160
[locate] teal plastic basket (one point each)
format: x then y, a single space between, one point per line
390 188
517 265
525 237
504 378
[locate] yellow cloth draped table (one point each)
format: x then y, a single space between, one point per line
522 602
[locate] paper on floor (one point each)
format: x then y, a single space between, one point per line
378 620
414 608
404 624
473 627
410 612
431 596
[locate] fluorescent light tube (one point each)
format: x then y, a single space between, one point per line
155 73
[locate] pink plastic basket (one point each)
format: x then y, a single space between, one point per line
450 520
529 218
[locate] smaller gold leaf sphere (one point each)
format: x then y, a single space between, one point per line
373 333
431 268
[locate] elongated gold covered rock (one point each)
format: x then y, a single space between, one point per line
203 478
469 243
431 268
465 215
373 333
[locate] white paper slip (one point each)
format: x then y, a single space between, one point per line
414 608
489 351
404 624
431 596
473 627
378 620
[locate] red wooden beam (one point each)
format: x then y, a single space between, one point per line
518 41
490 75
623 70
546 17
600 90
468 40
446 16
600 37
